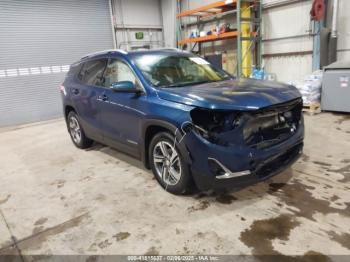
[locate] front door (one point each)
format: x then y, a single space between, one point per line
121 112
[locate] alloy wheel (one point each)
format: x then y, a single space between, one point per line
167 163
74 129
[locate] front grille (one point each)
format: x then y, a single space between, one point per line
272 125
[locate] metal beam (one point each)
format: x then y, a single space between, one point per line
297 53
282 3
287 37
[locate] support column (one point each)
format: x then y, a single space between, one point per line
246 44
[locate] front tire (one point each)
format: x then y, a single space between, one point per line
168 165
76 131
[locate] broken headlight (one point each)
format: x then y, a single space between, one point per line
214 124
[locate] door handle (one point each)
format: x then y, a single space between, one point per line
75 91
102 97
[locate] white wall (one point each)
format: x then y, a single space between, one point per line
145 13
344 30
169 22
131 16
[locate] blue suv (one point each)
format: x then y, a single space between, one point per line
191 123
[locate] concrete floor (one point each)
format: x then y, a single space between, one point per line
57 199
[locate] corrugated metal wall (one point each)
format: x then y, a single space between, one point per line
344 30
280 23
39 39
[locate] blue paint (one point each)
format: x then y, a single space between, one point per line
121 119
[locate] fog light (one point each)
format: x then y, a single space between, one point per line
222 172
215 168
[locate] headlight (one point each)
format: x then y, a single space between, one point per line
211 124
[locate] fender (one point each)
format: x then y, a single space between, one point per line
166 125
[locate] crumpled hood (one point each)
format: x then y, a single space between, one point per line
243 94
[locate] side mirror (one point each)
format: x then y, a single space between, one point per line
124 86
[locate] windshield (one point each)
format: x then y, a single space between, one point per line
164 70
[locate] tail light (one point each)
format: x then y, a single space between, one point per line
63 90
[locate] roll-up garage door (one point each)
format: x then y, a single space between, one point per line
38 41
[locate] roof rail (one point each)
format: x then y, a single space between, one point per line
171 48
105 52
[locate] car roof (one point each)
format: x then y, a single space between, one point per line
132 53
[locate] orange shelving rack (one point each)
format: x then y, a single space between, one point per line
247 32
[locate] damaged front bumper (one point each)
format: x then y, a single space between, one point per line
242 165
216 166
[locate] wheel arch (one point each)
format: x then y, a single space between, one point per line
149 130
67 109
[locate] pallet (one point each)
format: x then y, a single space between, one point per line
313 108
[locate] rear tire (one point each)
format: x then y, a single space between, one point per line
76 131
168 165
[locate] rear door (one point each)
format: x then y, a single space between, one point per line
86 93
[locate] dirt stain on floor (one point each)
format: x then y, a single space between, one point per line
320 163
201 205
334 198
261 233
274 187
101 198
121 236
298 195
2 201
152 251
59 183
36 240
9 253
305 158
104 244
225 199
345 171
343 239
343 119
313 256
37 229
40 221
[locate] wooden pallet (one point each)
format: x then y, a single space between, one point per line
313 108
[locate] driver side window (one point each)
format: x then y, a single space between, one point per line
117 71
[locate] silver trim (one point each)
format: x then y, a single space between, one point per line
228 173
131 142
104 52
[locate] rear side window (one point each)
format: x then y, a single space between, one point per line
92 72
74 69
